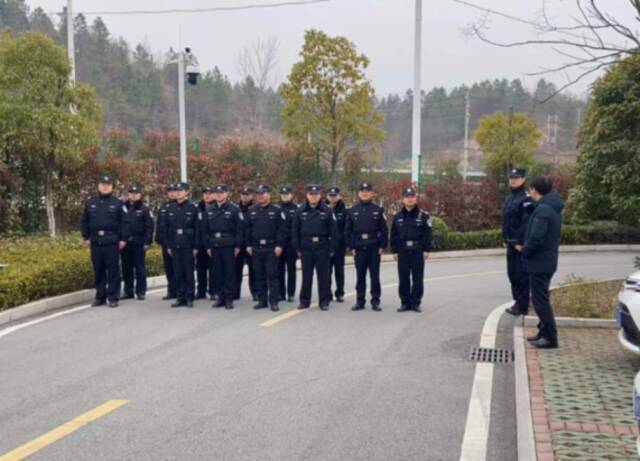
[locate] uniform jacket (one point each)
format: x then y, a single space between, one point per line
411 230
202 208
181 227
366 225
245 212
340 212
266 226
289 209
103 220
139 222
314 228
162 215
542 238
518 206
222 226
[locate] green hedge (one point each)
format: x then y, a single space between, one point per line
41 267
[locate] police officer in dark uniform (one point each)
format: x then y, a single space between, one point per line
205 281
287 262
517 208
162 241
334 200
246 202
140 224
105 233
411 243
367 236
223 233
266 236
314 229
181 228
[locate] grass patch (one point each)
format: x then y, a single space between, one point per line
578 297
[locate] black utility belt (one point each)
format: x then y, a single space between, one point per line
263 242
370 236
412 244
219 235
315 238
183 231
102 233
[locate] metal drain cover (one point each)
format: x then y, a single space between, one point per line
485 354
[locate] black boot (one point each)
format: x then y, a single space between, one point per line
546 343
417 308
260 306
534 338
358 307
404 308
376 307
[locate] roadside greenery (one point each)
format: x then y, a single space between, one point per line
579 297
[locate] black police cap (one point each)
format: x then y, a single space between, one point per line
313 189
246 190
262 189
409 191
105 180
135 190
334 191
285 190
220 188
517 173
366 186
181 186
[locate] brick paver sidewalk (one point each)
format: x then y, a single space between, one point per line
581 397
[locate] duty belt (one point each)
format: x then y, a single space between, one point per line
411 243
102 233
366 236
265 242
220 235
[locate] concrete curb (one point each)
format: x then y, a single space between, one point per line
524 419
58 302
573 322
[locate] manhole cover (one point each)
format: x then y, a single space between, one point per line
485 354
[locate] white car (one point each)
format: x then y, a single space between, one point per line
636 406
628 313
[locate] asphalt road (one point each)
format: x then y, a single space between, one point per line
214 384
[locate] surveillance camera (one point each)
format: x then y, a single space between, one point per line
192 74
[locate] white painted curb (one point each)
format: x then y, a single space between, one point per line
524 420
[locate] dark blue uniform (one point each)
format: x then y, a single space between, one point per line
222 233
411 237
313 237
366 233
266 230
516 211
287 263
181 233
205 279
245 258
337 260
140 224
161 240
540 255
103 224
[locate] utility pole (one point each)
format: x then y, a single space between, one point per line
416 158
183 123
71 47
467 119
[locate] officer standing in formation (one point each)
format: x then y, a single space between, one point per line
181 234
517 208
139 221
104 233
314 229
367 236
161 240
411 243
205 281
266 236
246 202
287 263
334 199
223 234
540 256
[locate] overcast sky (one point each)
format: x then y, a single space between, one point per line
382 29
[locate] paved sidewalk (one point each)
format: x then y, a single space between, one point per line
581 397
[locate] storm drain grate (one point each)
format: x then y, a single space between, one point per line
485 354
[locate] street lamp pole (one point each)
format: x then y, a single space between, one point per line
183 128
416 159
71 47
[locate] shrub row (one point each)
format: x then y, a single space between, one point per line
39 267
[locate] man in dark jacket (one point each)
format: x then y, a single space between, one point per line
540 254
246 202
334 199
313 237
162 241
139 220
287 262
205 280
411 243
517 208
181 228
104 232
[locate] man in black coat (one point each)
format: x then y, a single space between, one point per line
140 223
313 236
162 241
205 279
105 233
181 228
222 231
411 244
367 236
540 255
287 262
246 202
334 200
517 208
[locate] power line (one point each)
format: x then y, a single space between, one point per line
200 10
